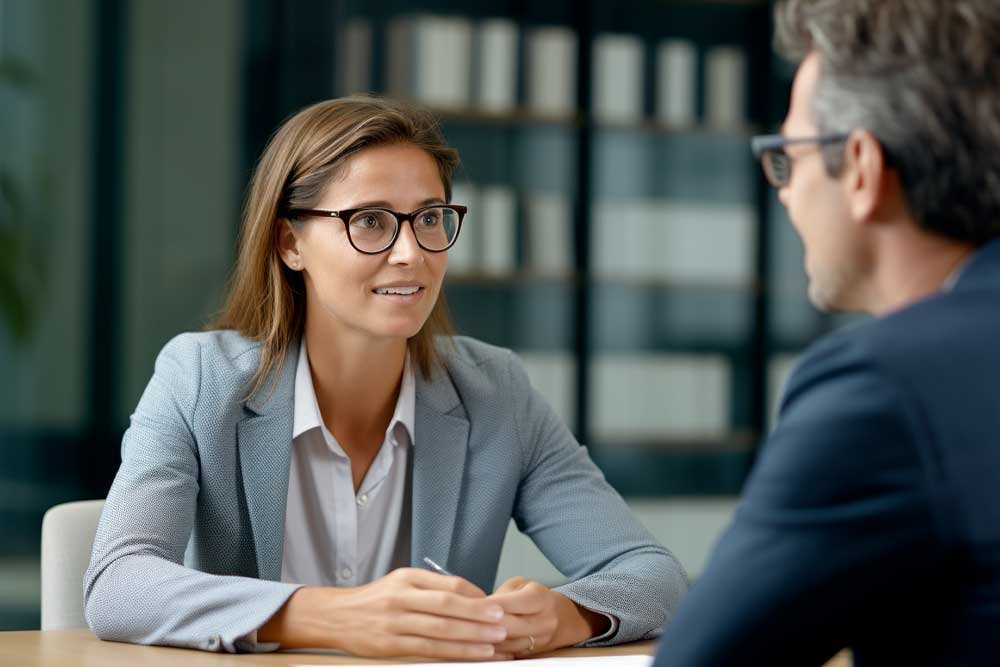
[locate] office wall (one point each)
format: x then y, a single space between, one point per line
46 152
689 527
183 182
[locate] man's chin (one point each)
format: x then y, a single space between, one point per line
821 300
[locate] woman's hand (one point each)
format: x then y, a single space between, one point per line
408 612
538 619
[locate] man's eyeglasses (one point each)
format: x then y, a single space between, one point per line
770 150
373 230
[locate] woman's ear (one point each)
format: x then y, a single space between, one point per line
288 245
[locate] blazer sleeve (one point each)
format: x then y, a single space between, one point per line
584 527
136 588
835 523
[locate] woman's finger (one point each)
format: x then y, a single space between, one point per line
518 646
407 645
521 625
439 582
433 626
530 599
445 603
512 584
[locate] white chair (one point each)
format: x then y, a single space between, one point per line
67 539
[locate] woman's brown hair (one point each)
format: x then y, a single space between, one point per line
266 300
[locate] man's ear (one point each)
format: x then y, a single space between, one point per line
288 245
863 175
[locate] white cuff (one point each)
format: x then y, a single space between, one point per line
607 635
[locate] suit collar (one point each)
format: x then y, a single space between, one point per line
264 438
442 429
982 269
278 389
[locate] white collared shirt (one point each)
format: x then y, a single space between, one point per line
334 536
956 273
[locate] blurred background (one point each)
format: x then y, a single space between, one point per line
620 236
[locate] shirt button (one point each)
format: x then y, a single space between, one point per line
346 573
362 500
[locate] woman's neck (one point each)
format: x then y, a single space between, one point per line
357 381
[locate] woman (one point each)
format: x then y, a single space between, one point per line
286 473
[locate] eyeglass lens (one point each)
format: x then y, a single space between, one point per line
777 167
373 229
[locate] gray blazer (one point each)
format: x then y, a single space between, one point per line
189 547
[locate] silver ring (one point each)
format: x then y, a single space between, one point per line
531 643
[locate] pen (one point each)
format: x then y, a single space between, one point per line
437 568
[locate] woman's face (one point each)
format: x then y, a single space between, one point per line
350 291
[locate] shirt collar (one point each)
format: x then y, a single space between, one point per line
306 410
956 273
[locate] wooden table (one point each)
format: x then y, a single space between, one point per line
80 648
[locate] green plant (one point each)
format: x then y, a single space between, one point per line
20 274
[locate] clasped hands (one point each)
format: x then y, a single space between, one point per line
414 612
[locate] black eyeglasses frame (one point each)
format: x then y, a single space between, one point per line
345 215
766 147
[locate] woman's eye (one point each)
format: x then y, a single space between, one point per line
366 221
429 219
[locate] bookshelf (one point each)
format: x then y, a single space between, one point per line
620 236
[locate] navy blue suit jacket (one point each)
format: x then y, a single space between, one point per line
871 519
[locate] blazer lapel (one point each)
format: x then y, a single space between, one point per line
440 444
264 442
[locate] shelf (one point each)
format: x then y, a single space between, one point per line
528 277
518 117
649 471
524 278
524 117
700 176
656 283
666 344
656 127
738 441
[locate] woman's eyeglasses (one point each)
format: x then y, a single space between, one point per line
372 230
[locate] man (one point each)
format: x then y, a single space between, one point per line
872 518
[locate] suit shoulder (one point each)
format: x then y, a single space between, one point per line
215 358
902 341
468 353
850 352
480 370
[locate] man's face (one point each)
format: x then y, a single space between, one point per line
817 205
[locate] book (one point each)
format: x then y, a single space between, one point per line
551 70
617 78
496 79
355 57
443 53
429 59
676 82
549 232
553 374
498 229
649 396
399 57
703 241
725 87
465 256
779 368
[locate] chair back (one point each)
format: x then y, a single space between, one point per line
67 539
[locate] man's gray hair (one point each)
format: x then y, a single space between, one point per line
923 76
